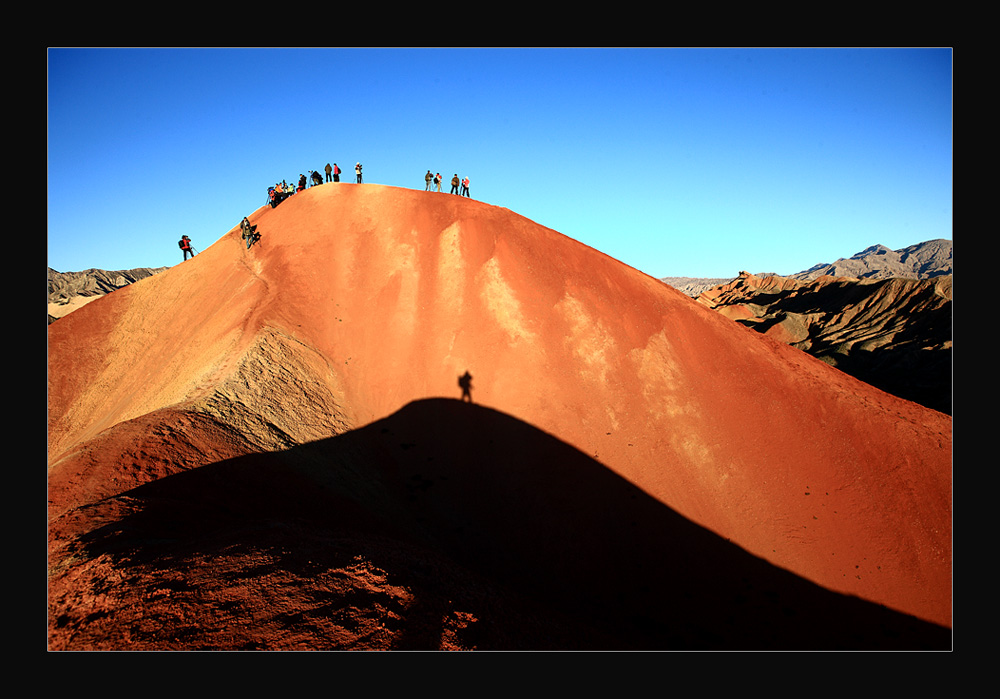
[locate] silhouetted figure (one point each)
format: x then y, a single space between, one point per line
465 381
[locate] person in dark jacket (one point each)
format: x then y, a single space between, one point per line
185 245
249 233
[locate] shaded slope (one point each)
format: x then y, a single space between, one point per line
362 299
444 525
892 333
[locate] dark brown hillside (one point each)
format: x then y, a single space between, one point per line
895 334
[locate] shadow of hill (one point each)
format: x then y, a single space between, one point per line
469 509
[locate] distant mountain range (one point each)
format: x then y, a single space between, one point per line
921 261
70 290
882 316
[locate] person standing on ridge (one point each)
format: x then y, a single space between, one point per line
428 178
357 169
336 173
465 187
465 382
454 184
302 183
329 172
185 244
437 181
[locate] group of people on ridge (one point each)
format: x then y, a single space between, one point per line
435 180
282 190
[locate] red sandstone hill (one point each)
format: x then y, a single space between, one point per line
265 449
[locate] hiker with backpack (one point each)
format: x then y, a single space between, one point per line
248 233
336 172
185 244
454 184
465 187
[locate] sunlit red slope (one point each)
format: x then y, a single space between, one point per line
362 299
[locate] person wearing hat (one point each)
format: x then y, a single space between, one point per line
357 169
185 245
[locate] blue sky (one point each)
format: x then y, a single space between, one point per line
678 162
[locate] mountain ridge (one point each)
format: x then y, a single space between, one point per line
931 258
362 300
926 260
67 291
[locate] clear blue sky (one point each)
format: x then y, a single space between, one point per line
678 162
